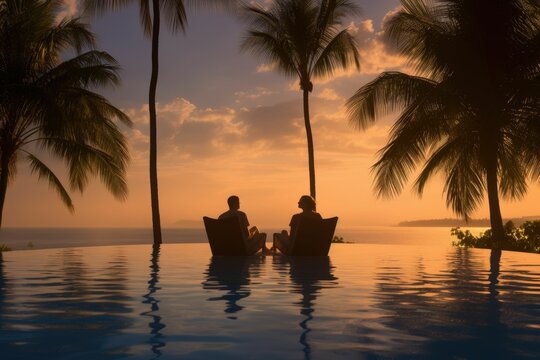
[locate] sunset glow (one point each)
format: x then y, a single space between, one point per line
228 124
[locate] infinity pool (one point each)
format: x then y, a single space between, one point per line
361 302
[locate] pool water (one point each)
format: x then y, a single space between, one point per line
179 302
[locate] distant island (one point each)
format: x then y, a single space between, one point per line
449 222
189 223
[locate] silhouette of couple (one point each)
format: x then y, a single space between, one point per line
256 240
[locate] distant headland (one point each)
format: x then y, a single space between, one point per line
449 222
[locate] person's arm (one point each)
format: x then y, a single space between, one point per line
245 219
293 224
244 223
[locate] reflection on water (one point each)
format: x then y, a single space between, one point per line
455 314
309 275
231 275
3 290
57 310
363 302
156 325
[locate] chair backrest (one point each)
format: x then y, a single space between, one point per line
225 236
313 237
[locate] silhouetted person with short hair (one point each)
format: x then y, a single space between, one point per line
253 239
282 241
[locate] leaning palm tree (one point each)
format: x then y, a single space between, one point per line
150 16
48 103
472 112
304 39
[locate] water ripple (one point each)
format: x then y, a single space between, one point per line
364 301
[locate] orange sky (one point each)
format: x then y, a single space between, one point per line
229 125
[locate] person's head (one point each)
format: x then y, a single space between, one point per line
234 202
307 203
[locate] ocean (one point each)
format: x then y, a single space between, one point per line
48 238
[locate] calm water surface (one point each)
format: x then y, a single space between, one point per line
361 302
49 238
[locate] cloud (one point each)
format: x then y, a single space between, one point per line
375 58
188 133
275 124
184 131
264 68
366 26
258 92
70 8
376 53
328 94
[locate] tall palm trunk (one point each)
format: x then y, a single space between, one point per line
311 154
495 217
154 195
4 176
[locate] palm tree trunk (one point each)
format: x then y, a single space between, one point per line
311 155
495 218
4 176
154 195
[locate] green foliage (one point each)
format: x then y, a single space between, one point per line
48 104
339 240
472 107
4 247
305 39
524 238
302 38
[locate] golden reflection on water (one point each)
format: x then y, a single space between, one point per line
179 302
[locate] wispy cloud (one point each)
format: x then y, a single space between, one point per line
250 95
186 132
70 8
376 55
264 68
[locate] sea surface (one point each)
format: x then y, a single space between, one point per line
363 301
47 238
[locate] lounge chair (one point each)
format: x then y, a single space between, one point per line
313 237
225 236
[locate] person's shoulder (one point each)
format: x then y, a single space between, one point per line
311 215
296 217
226 214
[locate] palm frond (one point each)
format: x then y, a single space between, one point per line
464 185
409 143
340 52
268 47
44 172
512 171
436 162
100 7
90 69
70 33
389 92
301 37
175 14
51 103
421 34
84 160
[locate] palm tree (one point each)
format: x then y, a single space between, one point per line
47 103
150 16
472 112
303 38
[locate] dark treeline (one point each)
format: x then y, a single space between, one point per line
449 222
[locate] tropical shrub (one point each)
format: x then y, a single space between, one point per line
524 238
